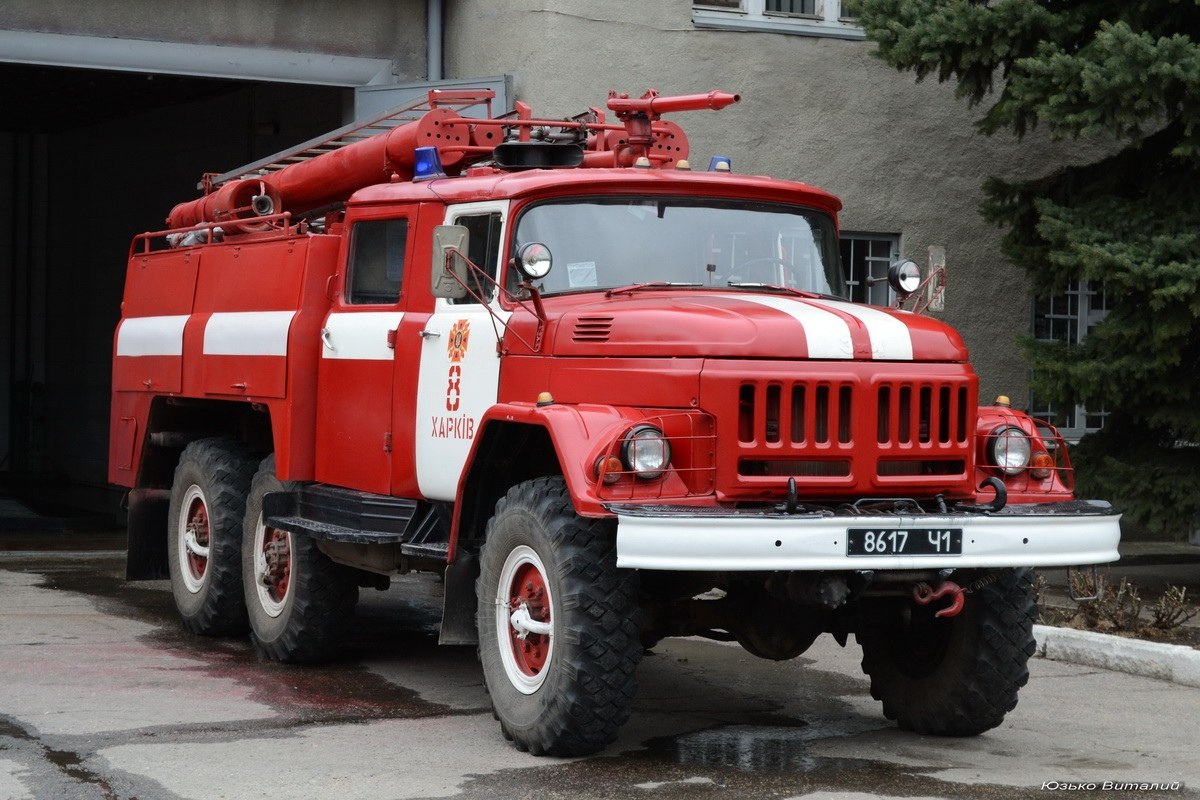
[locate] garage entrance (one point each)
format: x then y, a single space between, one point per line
88 158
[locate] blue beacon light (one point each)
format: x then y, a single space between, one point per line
427 165
714 164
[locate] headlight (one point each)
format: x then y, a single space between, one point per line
646 452
1009 449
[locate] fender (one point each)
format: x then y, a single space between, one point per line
516 442
550 439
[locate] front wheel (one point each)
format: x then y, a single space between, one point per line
559 624
299 602
954 676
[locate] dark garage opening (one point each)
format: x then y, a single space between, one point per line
88 158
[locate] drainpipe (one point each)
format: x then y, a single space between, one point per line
433 40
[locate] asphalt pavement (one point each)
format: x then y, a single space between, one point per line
104 696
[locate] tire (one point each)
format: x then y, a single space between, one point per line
569 691
956 676
299 602
204 536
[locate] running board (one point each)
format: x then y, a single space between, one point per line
345 515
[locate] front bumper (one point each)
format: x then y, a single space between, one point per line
722 540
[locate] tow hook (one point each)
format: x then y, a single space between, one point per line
925 595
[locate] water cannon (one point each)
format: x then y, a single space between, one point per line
653 105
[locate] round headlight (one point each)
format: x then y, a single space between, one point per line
534 261
1010 449
646 452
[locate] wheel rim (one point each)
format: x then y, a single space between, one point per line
194 534
272 567
524 622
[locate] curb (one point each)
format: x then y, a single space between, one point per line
1168 662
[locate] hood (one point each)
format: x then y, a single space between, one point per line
750 325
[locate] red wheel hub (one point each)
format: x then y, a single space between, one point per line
277 552
198 528
528 588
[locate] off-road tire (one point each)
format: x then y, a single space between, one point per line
589 676
320 598
215 474
956 676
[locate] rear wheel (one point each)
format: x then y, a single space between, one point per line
955 676
559 624
299 602
208 500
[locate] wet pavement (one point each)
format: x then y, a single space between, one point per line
103 695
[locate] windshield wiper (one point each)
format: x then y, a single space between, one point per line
639 287
774 287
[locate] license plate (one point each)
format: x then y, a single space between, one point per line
904 542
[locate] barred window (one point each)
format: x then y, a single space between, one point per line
865 260
833 18
1069 317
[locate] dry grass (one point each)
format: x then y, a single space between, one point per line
1120 609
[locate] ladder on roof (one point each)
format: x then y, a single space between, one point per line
455 99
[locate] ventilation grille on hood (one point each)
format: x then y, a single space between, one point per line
593 329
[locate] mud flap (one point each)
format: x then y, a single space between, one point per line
146 557
458 605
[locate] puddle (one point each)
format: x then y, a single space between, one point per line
68 762
748 748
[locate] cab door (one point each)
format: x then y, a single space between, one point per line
460 366
355 376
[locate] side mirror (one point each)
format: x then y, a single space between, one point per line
446 240
904 277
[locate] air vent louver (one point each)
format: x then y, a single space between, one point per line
592 329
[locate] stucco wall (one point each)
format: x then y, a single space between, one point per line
392 29
903 156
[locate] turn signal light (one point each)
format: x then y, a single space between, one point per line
1041 466
608 469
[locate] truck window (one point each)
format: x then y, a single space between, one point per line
483 249
376 261
608 242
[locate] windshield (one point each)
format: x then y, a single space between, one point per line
613 242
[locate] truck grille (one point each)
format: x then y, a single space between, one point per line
907 413
848 432
798 414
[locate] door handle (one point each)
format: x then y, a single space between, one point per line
327 339
430 334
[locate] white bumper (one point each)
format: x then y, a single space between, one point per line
733 543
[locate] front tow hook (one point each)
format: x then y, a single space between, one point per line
924 594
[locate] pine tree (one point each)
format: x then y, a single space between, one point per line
1129 72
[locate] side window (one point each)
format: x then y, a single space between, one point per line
376 261
483 249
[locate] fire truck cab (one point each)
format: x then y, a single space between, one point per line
610 397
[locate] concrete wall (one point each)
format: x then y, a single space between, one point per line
372 28
903 156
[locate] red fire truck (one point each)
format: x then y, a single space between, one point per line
608 397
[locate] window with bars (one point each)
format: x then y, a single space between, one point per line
805 8
804 17
1069 317
865 260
